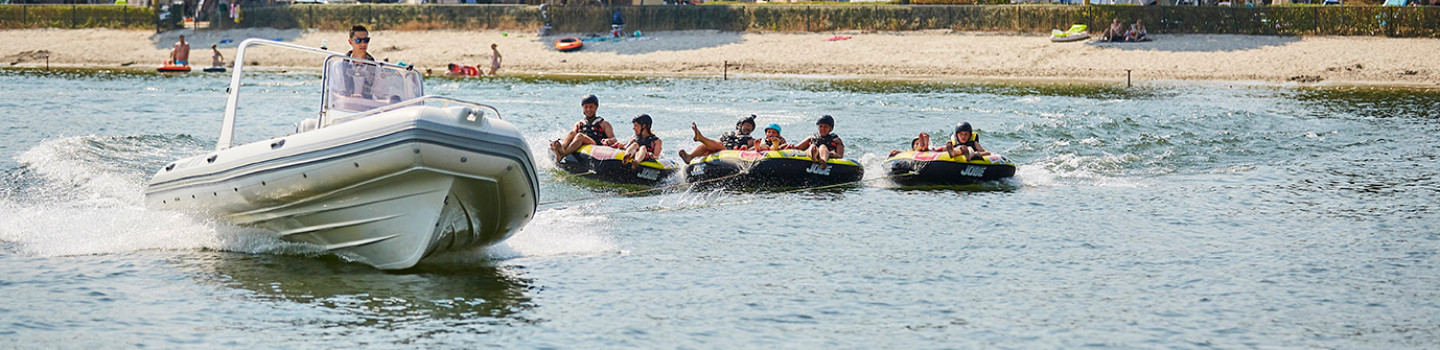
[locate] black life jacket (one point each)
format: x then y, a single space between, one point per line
593 129
646 142
733 141
830 140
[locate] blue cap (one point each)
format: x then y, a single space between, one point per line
773 126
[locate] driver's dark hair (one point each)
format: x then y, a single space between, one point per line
357 28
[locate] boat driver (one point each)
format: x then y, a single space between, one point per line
592 130
356 79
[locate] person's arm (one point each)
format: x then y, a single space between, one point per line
804 144
980 150
839 150
659 146
609 134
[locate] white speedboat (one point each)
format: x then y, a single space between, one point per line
385 175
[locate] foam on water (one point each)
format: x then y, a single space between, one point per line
553 232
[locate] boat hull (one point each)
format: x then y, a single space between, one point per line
387 190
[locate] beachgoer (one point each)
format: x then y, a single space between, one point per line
462 70
591 131
1136 33
216 59
738 139
920 143
180 55
644 145
1116 32
494 59
964 144
823 145
359 43
773 141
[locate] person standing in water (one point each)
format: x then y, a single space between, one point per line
216 59
592 130
494 59
180 55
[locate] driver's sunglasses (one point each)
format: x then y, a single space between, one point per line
361 40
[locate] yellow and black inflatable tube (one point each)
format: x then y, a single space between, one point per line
604 163
786 168
911 168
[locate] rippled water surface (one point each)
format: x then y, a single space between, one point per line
1190 216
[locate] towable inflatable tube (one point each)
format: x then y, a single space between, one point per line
604 163
786 168
1076 33
568 44
937 168
172 69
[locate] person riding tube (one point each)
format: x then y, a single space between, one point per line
739 140
592 130
823 145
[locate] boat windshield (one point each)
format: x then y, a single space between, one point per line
356 86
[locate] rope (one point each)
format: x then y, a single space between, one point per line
635 192
747 199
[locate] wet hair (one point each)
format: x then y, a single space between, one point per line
644 121
356 29
827 120
744 120
590 100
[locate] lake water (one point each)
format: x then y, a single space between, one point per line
1172 216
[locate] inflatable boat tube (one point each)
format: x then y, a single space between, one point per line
604 163
172 69
215 70
568 44
1076 33
761 169
937 168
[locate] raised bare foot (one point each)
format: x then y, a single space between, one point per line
696 129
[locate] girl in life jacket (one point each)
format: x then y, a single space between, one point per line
739 139
644 145
964 144
772 141
593 130
824 145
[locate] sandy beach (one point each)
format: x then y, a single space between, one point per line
898 55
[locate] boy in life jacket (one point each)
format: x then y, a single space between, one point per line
644 145
592 130
964 144
772 141
823 145
738 139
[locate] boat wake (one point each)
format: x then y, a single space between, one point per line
85 196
